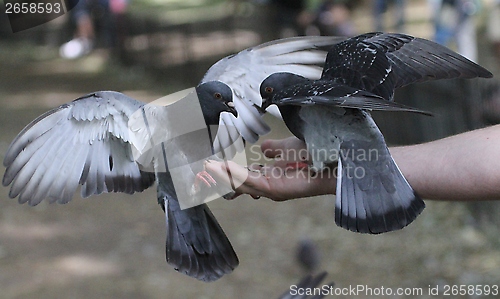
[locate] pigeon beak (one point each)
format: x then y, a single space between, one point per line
231 108
262 109
265 103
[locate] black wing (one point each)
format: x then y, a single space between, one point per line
381 62
328 93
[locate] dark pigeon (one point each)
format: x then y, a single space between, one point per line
332 116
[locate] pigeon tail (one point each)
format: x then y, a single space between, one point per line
196 244
373 196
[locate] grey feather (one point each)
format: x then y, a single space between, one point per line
46 142
196 244
383 200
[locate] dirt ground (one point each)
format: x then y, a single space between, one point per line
112 246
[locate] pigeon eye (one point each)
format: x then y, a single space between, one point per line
269 89
217 95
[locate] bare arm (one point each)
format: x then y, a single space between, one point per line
461 167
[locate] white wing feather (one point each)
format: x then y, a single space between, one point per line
245 71
83 142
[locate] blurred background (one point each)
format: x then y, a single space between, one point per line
112 246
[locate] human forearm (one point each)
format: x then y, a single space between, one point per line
460 167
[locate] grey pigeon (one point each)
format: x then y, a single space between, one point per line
332 116
87 142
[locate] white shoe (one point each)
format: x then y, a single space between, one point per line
76 48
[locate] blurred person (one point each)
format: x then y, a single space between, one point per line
454 22
333 18
290 17
88 15
493 28
382 6
462 167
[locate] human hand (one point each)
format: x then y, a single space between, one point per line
288 178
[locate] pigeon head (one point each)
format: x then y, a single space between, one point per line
277 82
215 97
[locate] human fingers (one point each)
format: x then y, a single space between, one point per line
241 179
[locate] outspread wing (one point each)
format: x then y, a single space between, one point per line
245 71
381 62
84 142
